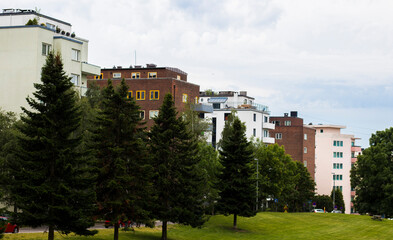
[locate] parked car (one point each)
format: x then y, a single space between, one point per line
337 211
9 227
317 210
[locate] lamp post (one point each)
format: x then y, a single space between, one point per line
334 190
257 183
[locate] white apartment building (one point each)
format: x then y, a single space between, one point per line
23 51
255 116
334 155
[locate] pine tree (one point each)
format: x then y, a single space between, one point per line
124 184
53 182
178 181
236 184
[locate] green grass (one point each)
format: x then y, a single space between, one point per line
264 226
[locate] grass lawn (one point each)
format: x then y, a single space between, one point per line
263 226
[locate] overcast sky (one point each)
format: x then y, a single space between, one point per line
330 60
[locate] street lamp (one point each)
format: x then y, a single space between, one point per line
257 183
334 190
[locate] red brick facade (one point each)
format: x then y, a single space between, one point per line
166 80
298 139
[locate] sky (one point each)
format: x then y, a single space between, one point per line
330 60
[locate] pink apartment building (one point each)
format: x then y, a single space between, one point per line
334 155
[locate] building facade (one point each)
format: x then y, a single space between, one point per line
255 116
334 155
297 139
148 86
23 52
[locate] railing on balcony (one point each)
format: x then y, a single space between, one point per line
242 105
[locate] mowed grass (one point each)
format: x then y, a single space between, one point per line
263 226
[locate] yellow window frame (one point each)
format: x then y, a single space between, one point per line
148 74
140 95
152 94
185 97
137 75
129 94
101 76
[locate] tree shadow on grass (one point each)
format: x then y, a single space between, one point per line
234 230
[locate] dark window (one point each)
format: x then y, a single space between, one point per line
216 106
255 118
226 115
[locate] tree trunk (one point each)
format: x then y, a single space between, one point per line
235 220
51 233
164 230
116 231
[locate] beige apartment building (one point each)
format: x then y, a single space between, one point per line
23 51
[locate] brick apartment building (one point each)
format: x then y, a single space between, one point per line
148 86
298 139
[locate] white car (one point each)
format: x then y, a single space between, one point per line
317 210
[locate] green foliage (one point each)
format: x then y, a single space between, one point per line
323 202
196 125
372 176
33 21
124 180
338 200
178 181
211 167
236 184
50 181
281 178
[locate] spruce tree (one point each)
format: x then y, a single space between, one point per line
124 184
178 180
236 184
53 183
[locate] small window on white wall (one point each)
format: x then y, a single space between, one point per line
75 79
75 55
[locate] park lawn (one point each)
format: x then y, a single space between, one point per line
263 226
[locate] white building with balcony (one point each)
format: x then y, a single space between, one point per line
255 116
23 52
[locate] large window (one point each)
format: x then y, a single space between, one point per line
75 55
287 123
46 48
140 95
75 79
337 166
101 76
337 154
116 75
154 94
337 143
278 136
153 114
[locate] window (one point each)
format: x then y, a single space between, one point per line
154 94
142 114
255 117
75 79
129 94
185 98
338 177
266 119
254 132
305 163
337 154
277 123
140 95
352 154
287 123
51 26
101 76
278 136
178 77
216 105
337 143
75 54
46 48
116 75
305 150
334 165
352 144
305 136
152 75
341 166
334 143
265 133
135 75
321 131
153 114
226 116
196 100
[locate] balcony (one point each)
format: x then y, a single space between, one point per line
268 140
202 108
267 125
90 69
242 105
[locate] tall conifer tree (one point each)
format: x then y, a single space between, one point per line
178 181
124 183
236 184
53 182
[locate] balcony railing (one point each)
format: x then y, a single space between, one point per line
242 105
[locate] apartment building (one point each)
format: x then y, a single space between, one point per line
148 86
297 139
23 52
334 155
254 115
